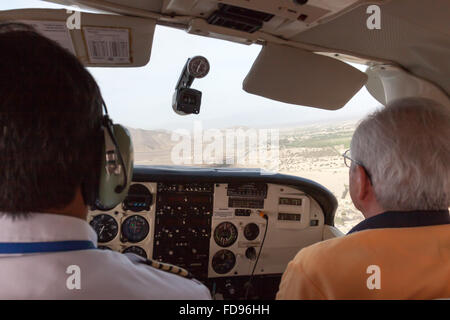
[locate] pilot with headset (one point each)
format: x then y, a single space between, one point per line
59 154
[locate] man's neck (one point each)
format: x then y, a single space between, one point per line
372 209
76 208
370 214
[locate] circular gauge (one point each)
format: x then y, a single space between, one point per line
105 226
223 261
138 199
198 67
136 250
135 228
251 231
225 234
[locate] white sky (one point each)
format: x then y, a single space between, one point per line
142 97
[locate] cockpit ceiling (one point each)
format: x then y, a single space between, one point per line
284 18
413 34
300 12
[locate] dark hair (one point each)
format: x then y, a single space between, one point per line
50 120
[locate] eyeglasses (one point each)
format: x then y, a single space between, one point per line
348 162
348 159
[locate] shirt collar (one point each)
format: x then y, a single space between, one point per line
403 219
44 227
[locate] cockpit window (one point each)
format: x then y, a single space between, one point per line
234 128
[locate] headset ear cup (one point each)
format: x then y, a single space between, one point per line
108 195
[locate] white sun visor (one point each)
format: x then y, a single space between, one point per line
304 78
98 40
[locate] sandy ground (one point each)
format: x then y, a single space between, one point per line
336 180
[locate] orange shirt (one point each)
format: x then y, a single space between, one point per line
414 263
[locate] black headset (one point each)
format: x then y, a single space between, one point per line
112 181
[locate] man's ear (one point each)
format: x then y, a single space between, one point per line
364 186
364 196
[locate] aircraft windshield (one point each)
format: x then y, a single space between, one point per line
290 139
309 141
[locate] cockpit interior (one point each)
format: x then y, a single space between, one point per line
225 226
235 229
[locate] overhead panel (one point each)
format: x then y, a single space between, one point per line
304 78
242 19
289 16
99 40
284 18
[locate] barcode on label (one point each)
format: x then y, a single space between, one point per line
108 45
104 49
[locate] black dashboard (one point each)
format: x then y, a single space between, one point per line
233 229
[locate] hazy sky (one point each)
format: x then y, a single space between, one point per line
142 97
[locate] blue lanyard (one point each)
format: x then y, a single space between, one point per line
55 246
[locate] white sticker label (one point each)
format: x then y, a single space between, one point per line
54 30
108 45
223 213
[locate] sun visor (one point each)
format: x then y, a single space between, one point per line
98 40
304 78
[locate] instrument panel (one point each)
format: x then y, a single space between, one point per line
216 230
128 227
183 225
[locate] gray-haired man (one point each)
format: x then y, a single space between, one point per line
400 180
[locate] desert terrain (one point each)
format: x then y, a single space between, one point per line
309 151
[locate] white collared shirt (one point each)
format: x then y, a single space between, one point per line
103 274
